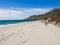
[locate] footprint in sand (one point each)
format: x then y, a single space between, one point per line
21 36
19 43
2 34
25 41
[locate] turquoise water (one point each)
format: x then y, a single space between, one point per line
5 22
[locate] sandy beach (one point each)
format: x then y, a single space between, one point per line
30 33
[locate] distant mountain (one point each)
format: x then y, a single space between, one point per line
55 13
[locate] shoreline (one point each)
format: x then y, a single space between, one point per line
5 25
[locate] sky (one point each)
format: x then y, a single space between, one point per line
21 9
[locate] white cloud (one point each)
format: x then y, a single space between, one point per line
20 13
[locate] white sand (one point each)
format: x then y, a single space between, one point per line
31 33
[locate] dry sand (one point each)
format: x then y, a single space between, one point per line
30 33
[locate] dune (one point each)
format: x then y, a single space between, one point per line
30 33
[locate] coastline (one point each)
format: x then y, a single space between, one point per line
11 24
30 33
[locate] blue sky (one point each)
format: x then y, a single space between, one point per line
20 9
30 3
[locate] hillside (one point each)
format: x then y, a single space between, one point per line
55 13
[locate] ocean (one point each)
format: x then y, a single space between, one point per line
12 22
